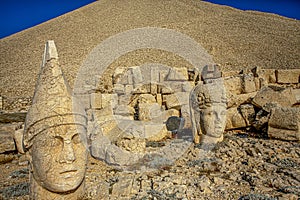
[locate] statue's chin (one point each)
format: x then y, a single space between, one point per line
215 134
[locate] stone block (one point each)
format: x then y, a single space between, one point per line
186 114
146 98
96 101
265 75
118 73
233 85
124 110
285 118
187 86
159 99
141 89
147 111
163 75
230 73
288 76
248 83
1 103
273 94
296 93
283 134
6 137
124 99
163 116
169 87
85 100
137 77
234 119
119 89
237 100
128 89
156 132
210 72
109 100
171 101
177 74
103 114
248 113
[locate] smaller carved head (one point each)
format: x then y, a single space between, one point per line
208 106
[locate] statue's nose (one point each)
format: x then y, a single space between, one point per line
67 155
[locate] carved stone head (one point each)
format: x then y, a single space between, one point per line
55 134
208 110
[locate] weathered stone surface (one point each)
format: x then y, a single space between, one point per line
248 113
12 117
119 89
177 74
55 135
1 103
274 94
148 111
172 101
6 137
156 132
211 72
123 110
296 93
146 98
234 119
186 114
248 83
118 73
159 99
132 144
110 100
96 101
236 100
123 187
233 85
137 77
187 86
288 75
284 123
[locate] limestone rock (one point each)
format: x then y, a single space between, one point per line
284 123
6 137
122 187
177 74
233 85
132 144
1 103
234 119
274 94
248 83
210 72
248 113
148 111
96 101
288 76
236 100
12 117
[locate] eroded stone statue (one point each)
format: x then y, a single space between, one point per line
55 135
208 111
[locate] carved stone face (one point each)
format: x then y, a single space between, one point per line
213 120
59 158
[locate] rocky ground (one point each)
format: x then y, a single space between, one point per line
244 166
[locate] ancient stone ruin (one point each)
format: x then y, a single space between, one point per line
55 135
152 116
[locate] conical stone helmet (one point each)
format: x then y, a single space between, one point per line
53 104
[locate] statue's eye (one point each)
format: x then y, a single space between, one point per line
76 139
210 113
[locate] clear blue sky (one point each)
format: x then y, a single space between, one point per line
17 15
